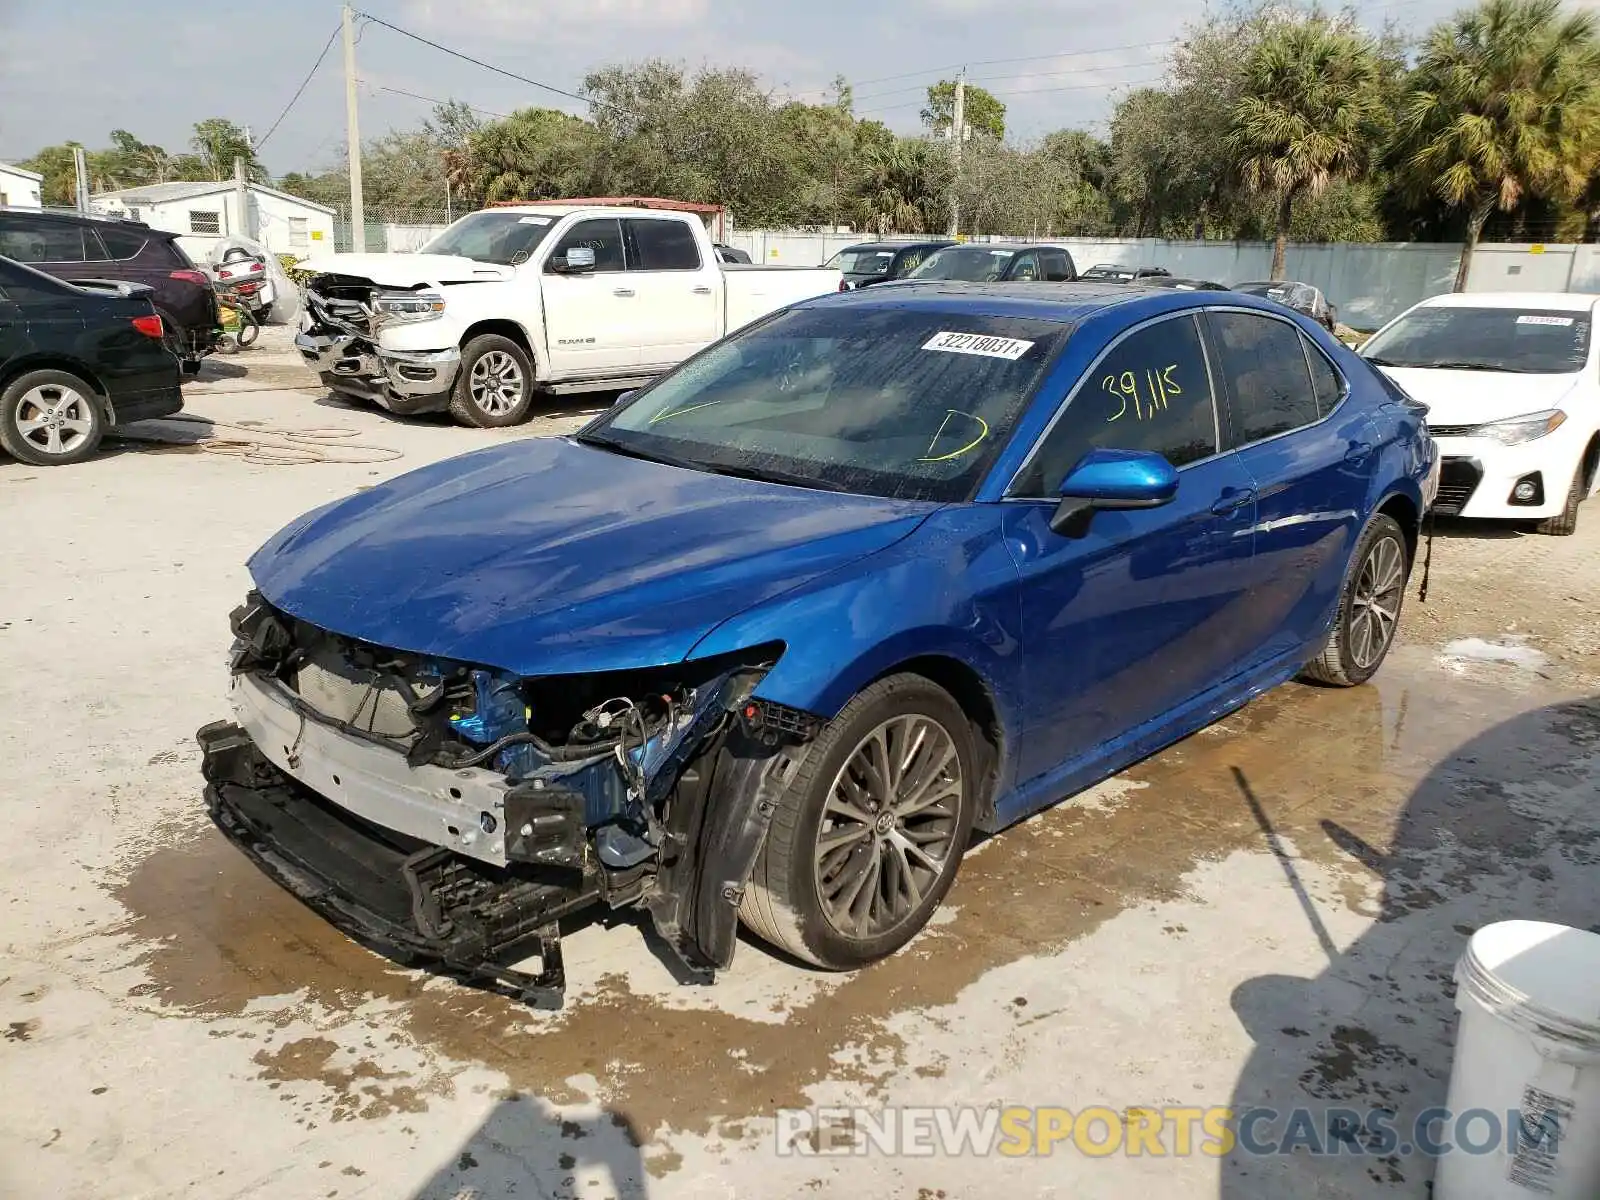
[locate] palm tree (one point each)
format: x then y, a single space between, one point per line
1504 103
1309 112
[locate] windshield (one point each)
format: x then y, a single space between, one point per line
881 401
1105 272
1525 341
968 264
862 262
506 238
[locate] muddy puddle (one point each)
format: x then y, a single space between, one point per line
1326 772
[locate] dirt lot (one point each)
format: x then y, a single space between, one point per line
1266 914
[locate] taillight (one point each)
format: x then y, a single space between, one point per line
224 274
189 277
149 326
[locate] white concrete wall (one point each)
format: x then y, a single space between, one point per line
18 189
274 217
271 215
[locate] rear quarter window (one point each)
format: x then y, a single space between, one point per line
122 244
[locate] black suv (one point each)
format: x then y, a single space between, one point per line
75 361
73 247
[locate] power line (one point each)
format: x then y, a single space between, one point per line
478 62
990 62
473 107
1077 87
299 91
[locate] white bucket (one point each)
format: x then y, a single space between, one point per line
1528 1043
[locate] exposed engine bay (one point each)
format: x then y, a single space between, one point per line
454 813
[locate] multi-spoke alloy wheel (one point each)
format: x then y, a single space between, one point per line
497 383
888 825
869 827
50 418
1369 607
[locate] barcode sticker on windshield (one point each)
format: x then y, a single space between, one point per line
978 343
534 221
1528 319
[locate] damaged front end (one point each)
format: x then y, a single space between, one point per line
339 340
451 814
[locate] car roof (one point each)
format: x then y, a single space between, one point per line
895 245
1560 301
80 219
1063 302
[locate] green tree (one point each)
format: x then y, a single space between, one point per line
217 142
983 113
1504 104
906 185
534 154
60 183
1311 112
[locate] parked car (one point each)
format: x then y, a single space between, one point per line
563 297
1512 385
1302 297
1115 273
73 248
75 361
769 638
991 263
731 254
878 262
1183 285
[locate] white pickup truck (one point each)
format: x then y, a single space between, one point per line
511 301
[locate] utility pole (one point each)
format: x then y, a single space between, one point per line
243 226
358 216
80 168
958 130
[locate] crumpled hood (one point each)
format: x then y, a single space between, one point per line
406 270
549 557
1476 397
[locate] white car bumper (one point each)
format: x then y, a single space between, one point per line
1479 475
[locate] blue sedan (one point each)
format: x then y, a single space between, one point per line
771 637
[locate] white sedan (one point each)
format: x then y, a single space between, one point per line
1512 385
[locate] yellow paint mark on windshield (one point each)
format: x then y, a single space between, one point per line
678 412
970 446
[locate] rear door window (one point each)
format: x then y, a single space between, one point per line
31 241
122 244
1150 392
1025 268
602 235
1326 382
1057 266
664 245
1263 366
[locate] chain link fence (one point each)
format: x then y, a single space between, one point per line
393 228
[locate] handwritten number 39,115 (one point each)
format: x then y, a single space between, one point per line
1158 385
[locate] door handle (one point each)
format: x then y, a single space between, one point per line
623 292
1232 500
702 291
1357 451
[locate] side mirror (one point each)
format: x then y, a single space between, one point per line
624 397
1112 479
576 261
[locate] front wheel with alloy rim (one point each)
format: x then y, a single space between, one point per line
1369 608
868 835
50 418
494 387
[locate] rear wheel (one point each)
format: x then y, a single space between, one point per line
1369 608
869 834
1565 522
50 418
494 387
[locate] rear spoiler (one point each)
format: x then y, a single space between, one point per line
117 287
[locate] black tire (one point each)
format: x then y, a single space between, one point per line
507 399
172 335
1565 523
783 901
40 396
249 329
1347 659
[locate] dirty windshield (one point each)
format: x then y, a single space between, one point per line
969 264
1519 340
880 401
506 238
861 262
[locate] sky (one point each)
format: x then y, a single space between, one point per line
76 69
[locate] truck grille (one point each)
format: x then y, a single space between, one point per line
1458 479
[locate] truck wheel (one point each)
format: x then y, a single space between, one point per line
1369 608
494 387
868 835
50 418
